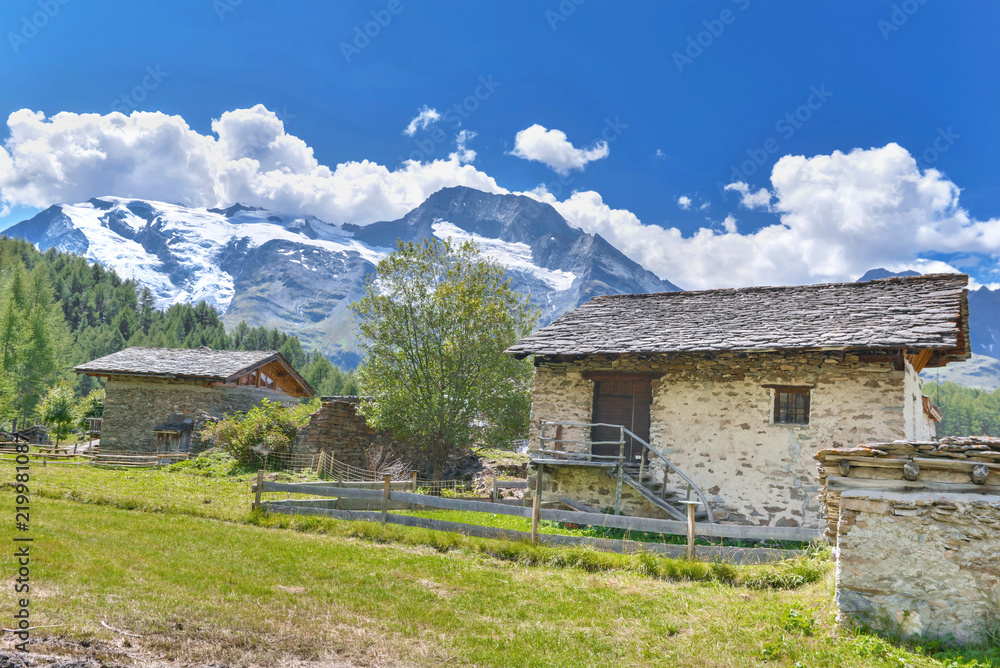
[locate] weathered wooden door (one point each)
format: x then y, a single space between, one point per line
621 401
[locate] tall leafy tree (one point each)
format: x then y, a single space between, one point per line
435 324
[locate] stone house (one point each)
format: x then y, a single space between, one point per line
726 395
37 435
158 398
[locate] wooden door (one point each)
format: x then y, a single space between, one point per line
626 402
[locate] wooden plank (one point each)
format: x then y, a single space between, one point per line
459 504
955 464
396 484
355 515
323 490
510 484
735 555
579 507
679 528
835 483
570 462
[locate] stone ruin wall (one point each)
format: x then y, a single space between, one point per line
338 430
918 548
713 417
133 406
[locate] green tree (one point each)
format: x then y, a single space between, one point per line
435 323
57 410
91 406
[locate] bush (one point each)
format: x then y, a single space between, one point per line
266 429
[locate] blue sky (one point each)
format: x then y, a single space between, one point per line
689 97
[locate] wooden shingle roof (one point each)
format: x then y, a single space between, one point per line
908 313
193 363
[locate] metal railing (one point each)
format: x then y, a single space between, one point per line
618 461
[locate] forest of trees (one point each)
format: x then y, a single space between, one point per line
965 411
58 310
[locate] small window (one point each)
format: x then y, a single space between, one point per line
791 405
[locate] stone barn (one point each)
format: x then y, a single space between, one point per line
158 398
726 395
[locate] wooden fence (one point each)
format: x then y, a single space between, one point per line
93 456
391 496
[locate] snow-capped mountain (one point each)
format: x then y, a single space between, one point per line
299 273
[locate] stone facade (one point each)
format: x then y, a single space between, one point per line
919 564
133 406
713 417
337 429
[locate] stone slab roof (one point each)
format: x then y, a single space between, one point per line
908 313
200 363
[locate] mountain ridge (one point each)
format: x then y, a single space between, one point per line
300 274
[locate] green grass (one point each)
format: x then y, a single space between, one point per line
208 583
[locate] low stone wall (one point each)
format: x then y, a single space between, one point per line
337 429
916 526
133 406
920 564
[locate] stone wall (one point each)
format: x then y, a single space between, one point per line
337 429
916 526
133 406
919 564
712 415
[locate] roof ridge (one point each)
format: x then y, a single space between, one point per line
777 288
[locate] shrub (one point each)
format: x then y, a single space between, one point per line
266 429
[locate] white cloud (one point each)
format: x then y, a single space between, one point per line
837 215
840 215
552 148
464 153
748 198
425 116
250 158
660 155
684 202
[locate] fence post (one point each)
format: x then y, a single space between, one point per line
690 526
260 488
536 505
621 472
385 498
413 488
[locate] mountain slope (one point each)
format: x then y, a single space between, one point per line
299 274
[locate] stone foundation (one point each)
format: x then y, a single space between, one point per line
919 564
134 406
594 488
713 417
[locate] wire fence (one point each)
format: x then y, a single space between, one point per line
321 465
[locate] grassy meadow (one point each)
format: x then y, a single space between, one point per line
179 560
